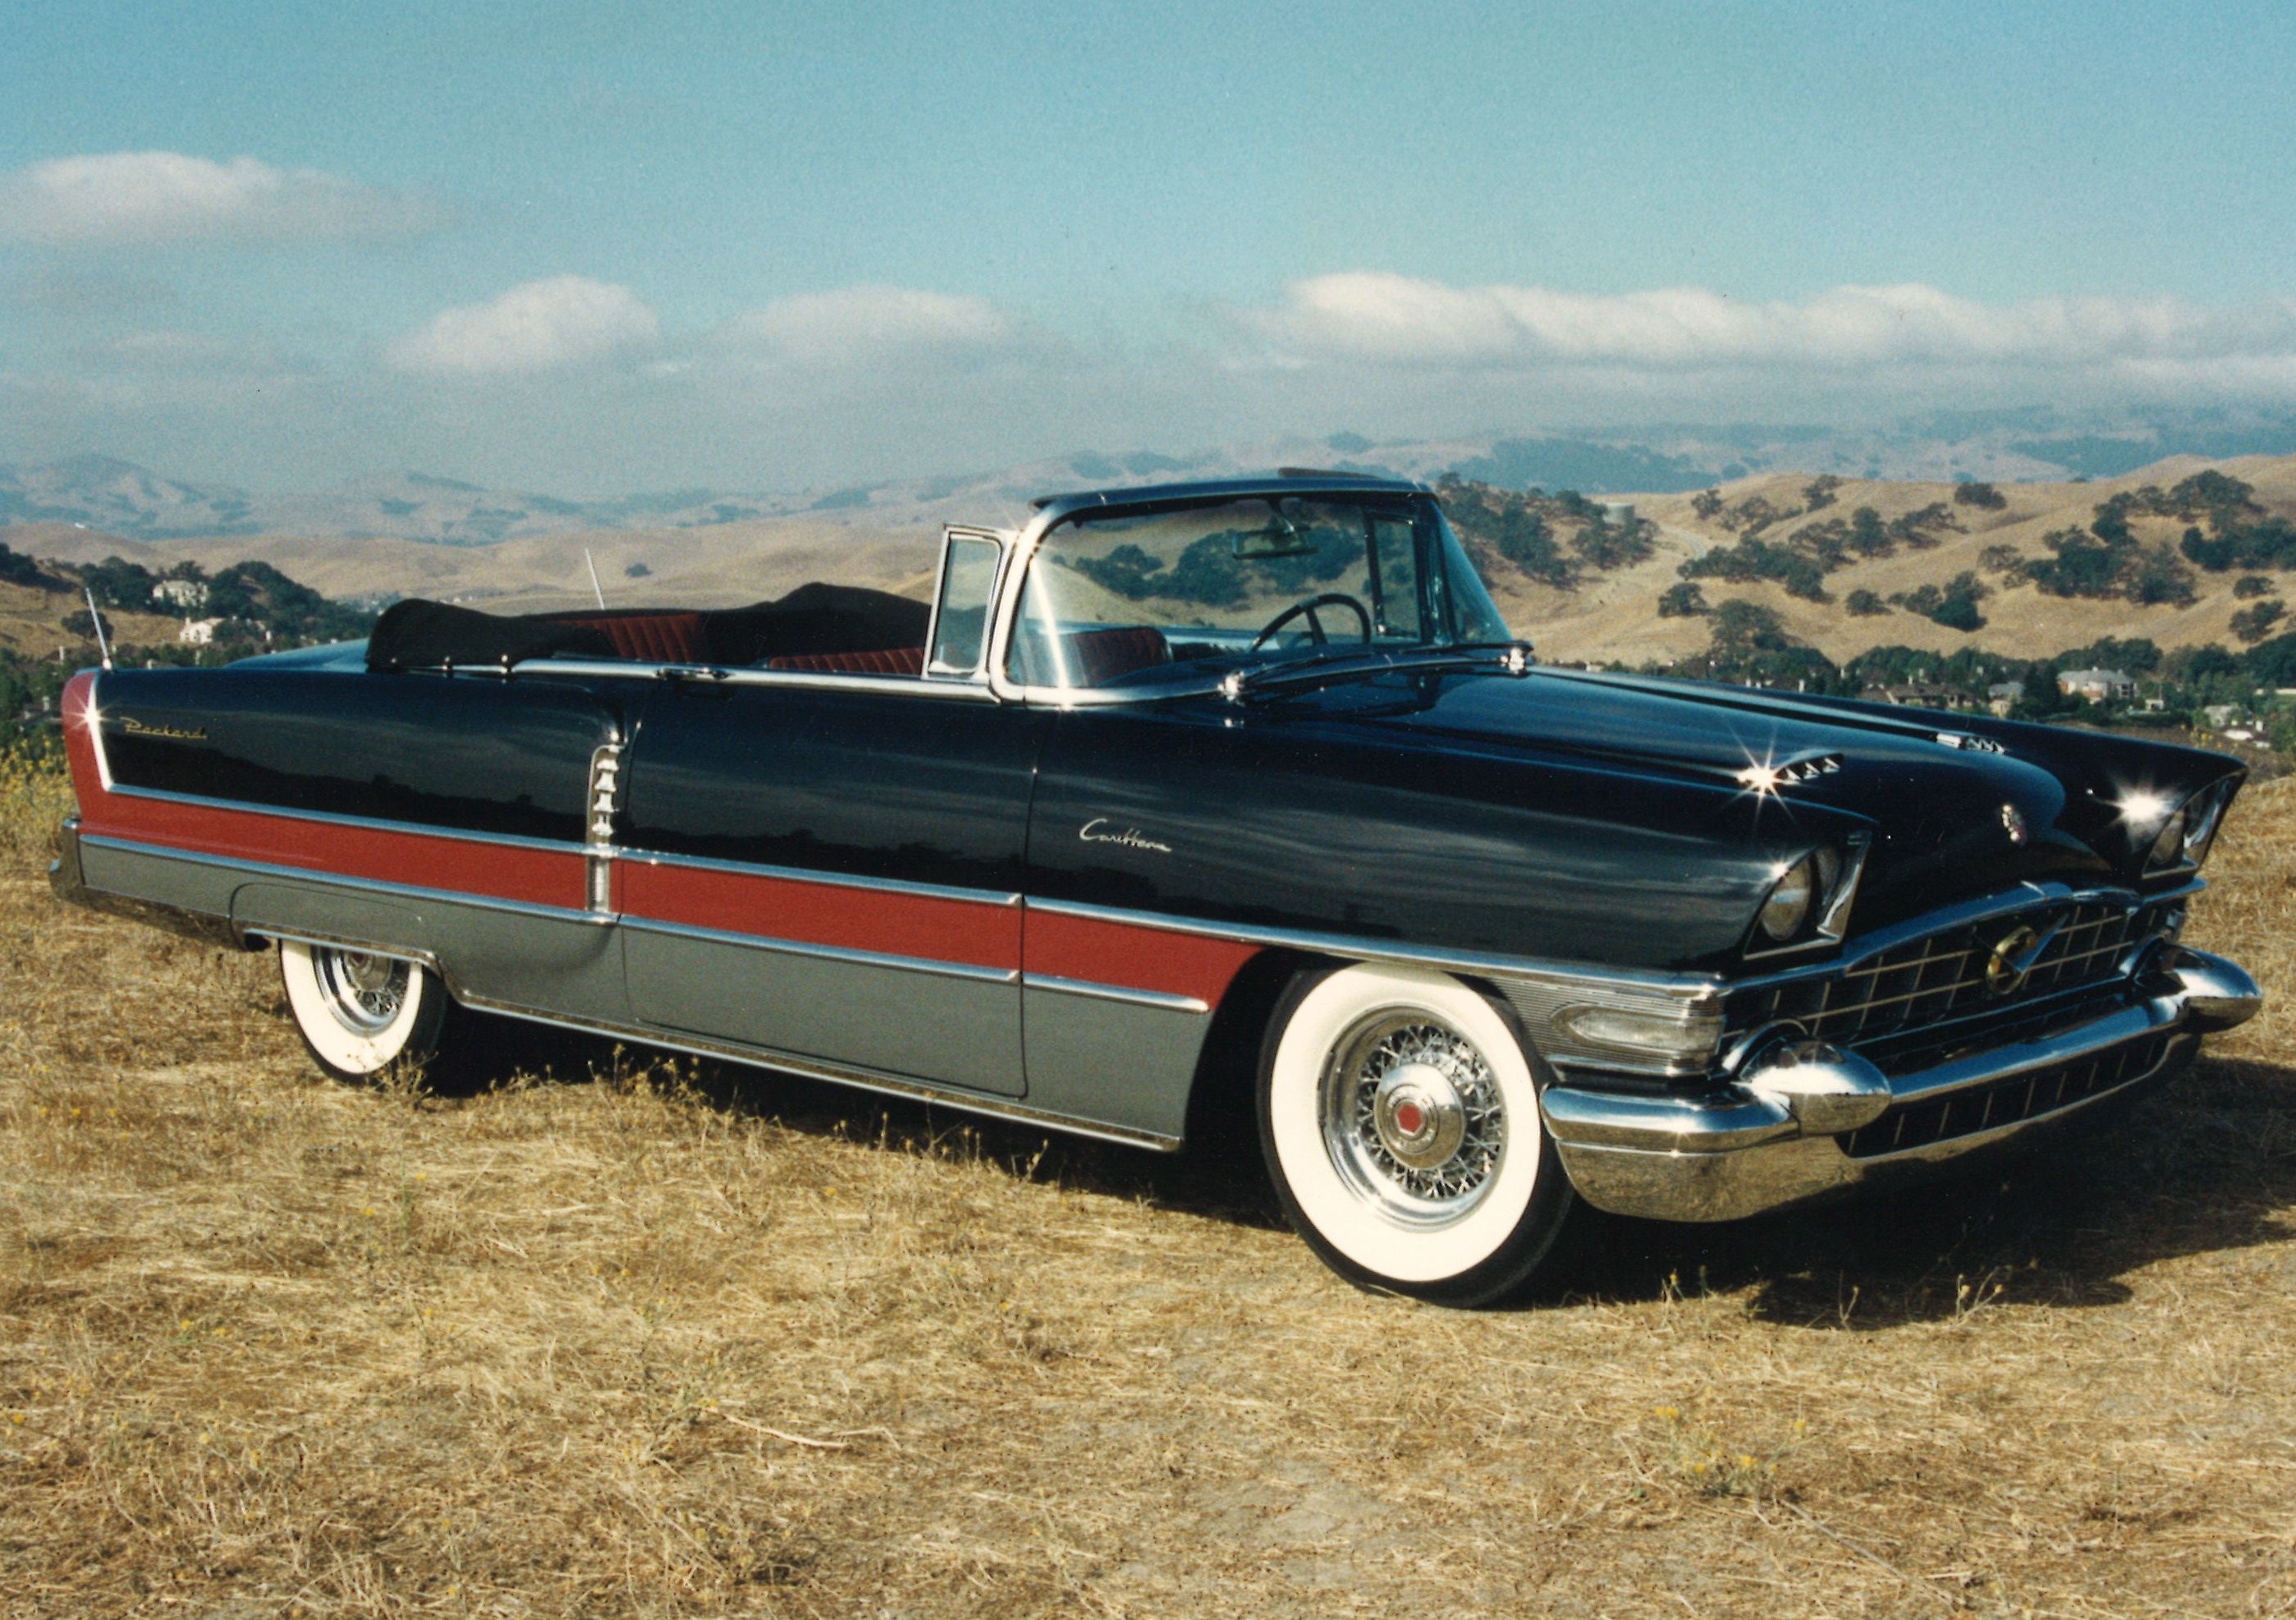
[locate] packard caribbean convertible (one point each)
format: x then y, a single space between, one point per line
1178 791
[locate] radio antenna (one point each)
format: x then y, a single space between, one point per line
102 644
596 589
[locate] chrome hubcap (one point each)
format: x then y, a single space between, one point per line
1418 1115
1413 1118
363 991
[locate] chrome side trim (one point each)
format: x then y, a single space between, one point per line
842 880
343 942
312 875
827 953
1164 1000
1486 964
514 841
865 1079
818 680
95 733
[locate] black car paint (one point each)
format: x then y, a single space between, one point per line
873 784
474 754
1556 816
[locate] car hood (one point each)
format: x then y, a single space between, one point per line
1953 805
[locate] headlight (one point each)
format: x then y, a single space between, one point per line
2187 831
1791 900
2204 814
2167 848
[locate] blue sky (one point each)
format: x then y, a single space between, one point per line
606 247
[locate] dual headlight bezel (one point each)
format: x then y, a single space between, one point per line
1808 904
2181 841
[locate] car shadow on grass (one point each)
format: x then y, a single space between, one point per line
2206 1164
1218 1174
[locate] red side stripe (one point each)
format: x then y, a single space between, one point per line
1136 958
823 914
924 927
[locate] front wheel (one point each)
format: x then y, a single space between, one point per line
1400 1123
363 1015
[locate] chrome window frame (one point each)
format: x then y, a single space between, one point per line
1051 514
950 535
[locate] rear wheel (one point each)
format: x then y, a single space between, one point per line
1400 1121
363 1014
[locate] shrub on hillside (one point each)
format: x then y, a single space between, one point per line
1984 497
2252 624
1683 601
1953 605
1753 558
1864 604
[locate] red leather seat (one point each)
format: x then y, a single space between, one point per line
1097 657
890 660
671 635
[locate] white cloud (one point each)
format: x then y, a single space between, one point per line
125 197
539 325
1384 319
867 326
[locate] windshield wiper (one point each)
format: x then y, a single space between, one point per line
1510 657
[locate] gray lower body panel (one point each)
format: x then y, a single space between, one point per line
961 1028
1114 1059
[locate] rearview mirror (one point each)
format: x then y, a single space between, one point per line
1281 538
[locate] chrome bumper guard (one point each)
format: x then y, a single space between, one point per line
1781 1134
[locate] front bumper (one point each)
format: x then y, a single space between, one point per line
1772 1141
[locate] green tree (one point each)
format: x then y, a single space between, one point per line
2252 624
1683 601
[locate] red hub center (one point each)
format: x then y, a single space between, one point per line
1410 1118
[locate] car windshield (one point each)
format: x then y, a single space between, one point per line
1134 598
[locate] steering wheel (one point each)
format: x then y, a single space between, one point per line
1331 598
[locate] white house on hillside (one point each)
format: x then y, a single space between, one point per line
2096 686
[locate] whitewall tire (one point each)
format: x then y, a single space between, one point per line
1399 1116
362 1014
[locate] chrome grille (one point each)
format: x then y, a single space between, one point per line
2005 1102
1942 977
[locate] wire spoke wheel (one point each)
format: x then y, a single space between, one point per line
362 1013
363 991
1399 1117
1413 1117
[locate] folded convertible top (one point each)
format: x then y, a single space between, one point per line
813 618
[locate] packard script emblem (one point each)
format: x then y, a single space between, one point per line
1097 831
132 727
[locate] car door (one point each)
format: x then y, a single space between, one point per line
830 873
829 865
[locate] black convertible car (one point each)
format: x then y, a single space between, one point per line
1174 787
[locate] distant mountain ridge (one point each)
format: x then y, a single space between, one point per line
102 492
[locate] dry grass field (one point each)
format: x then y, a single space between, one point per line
645 1342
